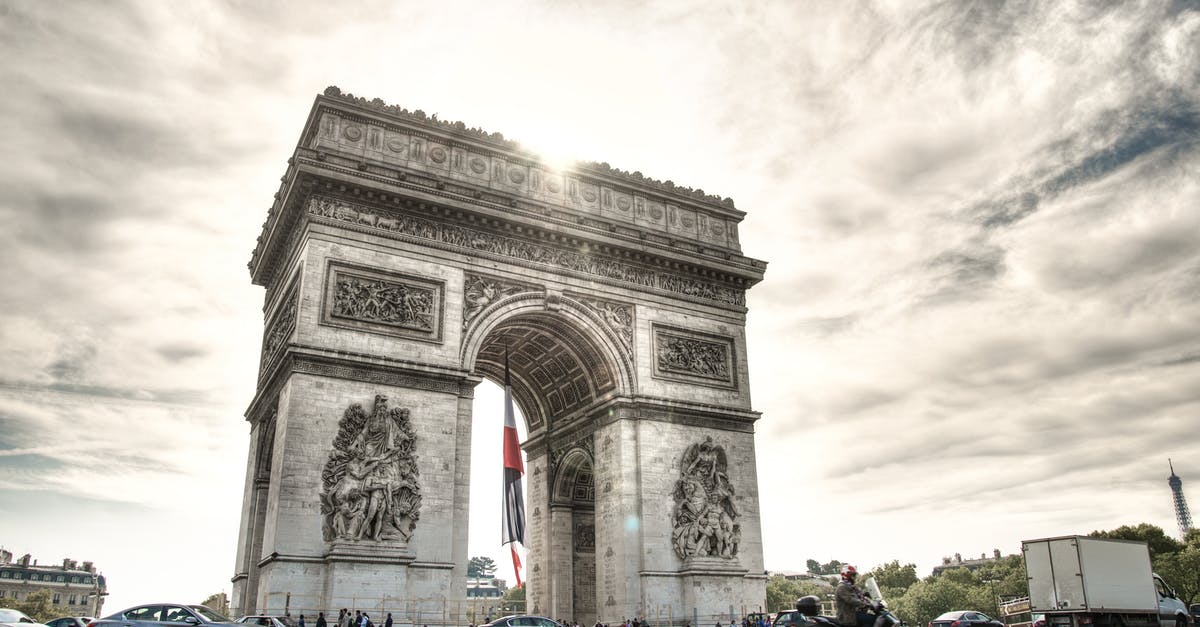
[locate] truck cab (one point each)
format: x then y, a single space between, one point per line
1171 611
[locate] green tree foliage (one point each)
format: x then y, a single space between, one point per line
893 579
37 605
783 592
481 567
1152 535
1181 569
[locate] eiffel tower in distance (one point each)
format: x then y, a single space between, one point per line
1182 516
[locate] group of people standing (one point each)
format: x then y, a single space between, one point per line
345 619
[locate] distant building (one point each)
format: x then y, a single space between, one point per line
1182 515
969 564
485 587
76 588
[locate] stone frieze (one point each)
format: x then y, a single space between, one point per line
475 240
693 357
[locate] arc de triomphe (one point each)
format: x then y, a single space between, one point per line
402 256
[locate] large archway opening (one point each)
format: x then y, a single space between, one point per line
562 372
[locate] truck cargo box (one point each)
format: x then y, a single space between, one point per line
1085 574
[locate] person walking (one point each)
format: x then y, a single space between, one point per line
345 619
301 623
321 619
388 622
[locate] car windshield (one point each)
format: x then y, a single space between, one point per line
13 616
208 614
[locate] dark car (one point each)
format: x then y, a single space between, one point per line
164 615
965 618
1194 609
790 618
523 620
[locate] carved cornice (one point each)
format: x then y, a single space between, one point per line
498 139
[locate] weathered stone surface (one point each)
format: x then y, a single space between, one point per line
404 258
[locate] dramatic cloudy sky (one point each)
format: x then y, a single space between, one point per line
980 321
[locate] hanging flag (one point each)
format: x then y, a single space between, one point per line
513 519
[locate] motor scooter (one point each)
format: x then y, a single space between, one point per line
810 608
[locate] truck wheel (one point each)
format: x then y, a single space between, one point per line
1180 621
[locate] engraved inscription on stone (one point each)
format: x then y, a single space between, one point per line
382 302
370 489
705 517
693 357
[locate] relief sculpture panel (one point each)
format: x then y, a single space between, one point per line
370 489
705 517
693 357
381 302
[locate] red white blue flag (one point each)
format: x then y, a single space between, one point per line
513 520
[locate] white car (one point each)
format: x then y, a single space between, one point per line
17 618
263 620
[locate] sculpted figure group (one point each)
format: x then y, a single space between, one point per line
705 515
370 480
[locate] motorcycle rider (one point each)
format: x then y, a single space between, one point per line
852 603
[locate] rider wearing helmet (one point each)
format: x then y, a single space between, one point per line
852 603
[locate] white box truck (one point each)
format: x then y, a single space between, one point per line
1078 581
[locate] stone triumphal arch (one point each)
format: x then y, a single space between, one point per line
402 257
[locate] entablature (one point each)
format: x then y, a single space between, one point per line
489 181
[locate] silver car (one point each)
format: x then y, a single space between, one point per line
164 615
17 618
263 620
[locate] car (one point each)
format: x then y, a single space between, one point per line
16 618
268 621
523 620
965 618
789 618
70 621
164 615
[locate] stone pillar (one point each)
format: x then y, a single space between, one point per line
537 524
561 573
462 484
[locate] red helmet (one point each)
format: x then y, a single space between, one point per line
849 572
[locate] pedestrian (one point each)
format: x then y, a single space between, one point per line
357 618
388 622
344 621
365 621
321 619
301 623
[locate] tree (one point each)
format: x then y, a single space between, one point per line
514 600
925 600
893 579
218 602
481 567
814 566
1181 569
1153 535
37 605
783 592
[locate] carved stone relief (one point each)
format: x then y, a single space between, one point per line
705 517
480 291
280 329
618 317
559 258
382 302
266 447
693 357
585 538
370 489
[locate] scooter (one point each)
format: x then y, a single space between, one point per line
810 608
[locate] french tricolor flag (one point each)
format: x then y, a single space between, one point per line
513 519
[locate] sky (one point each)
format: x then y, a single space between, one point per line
979 324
